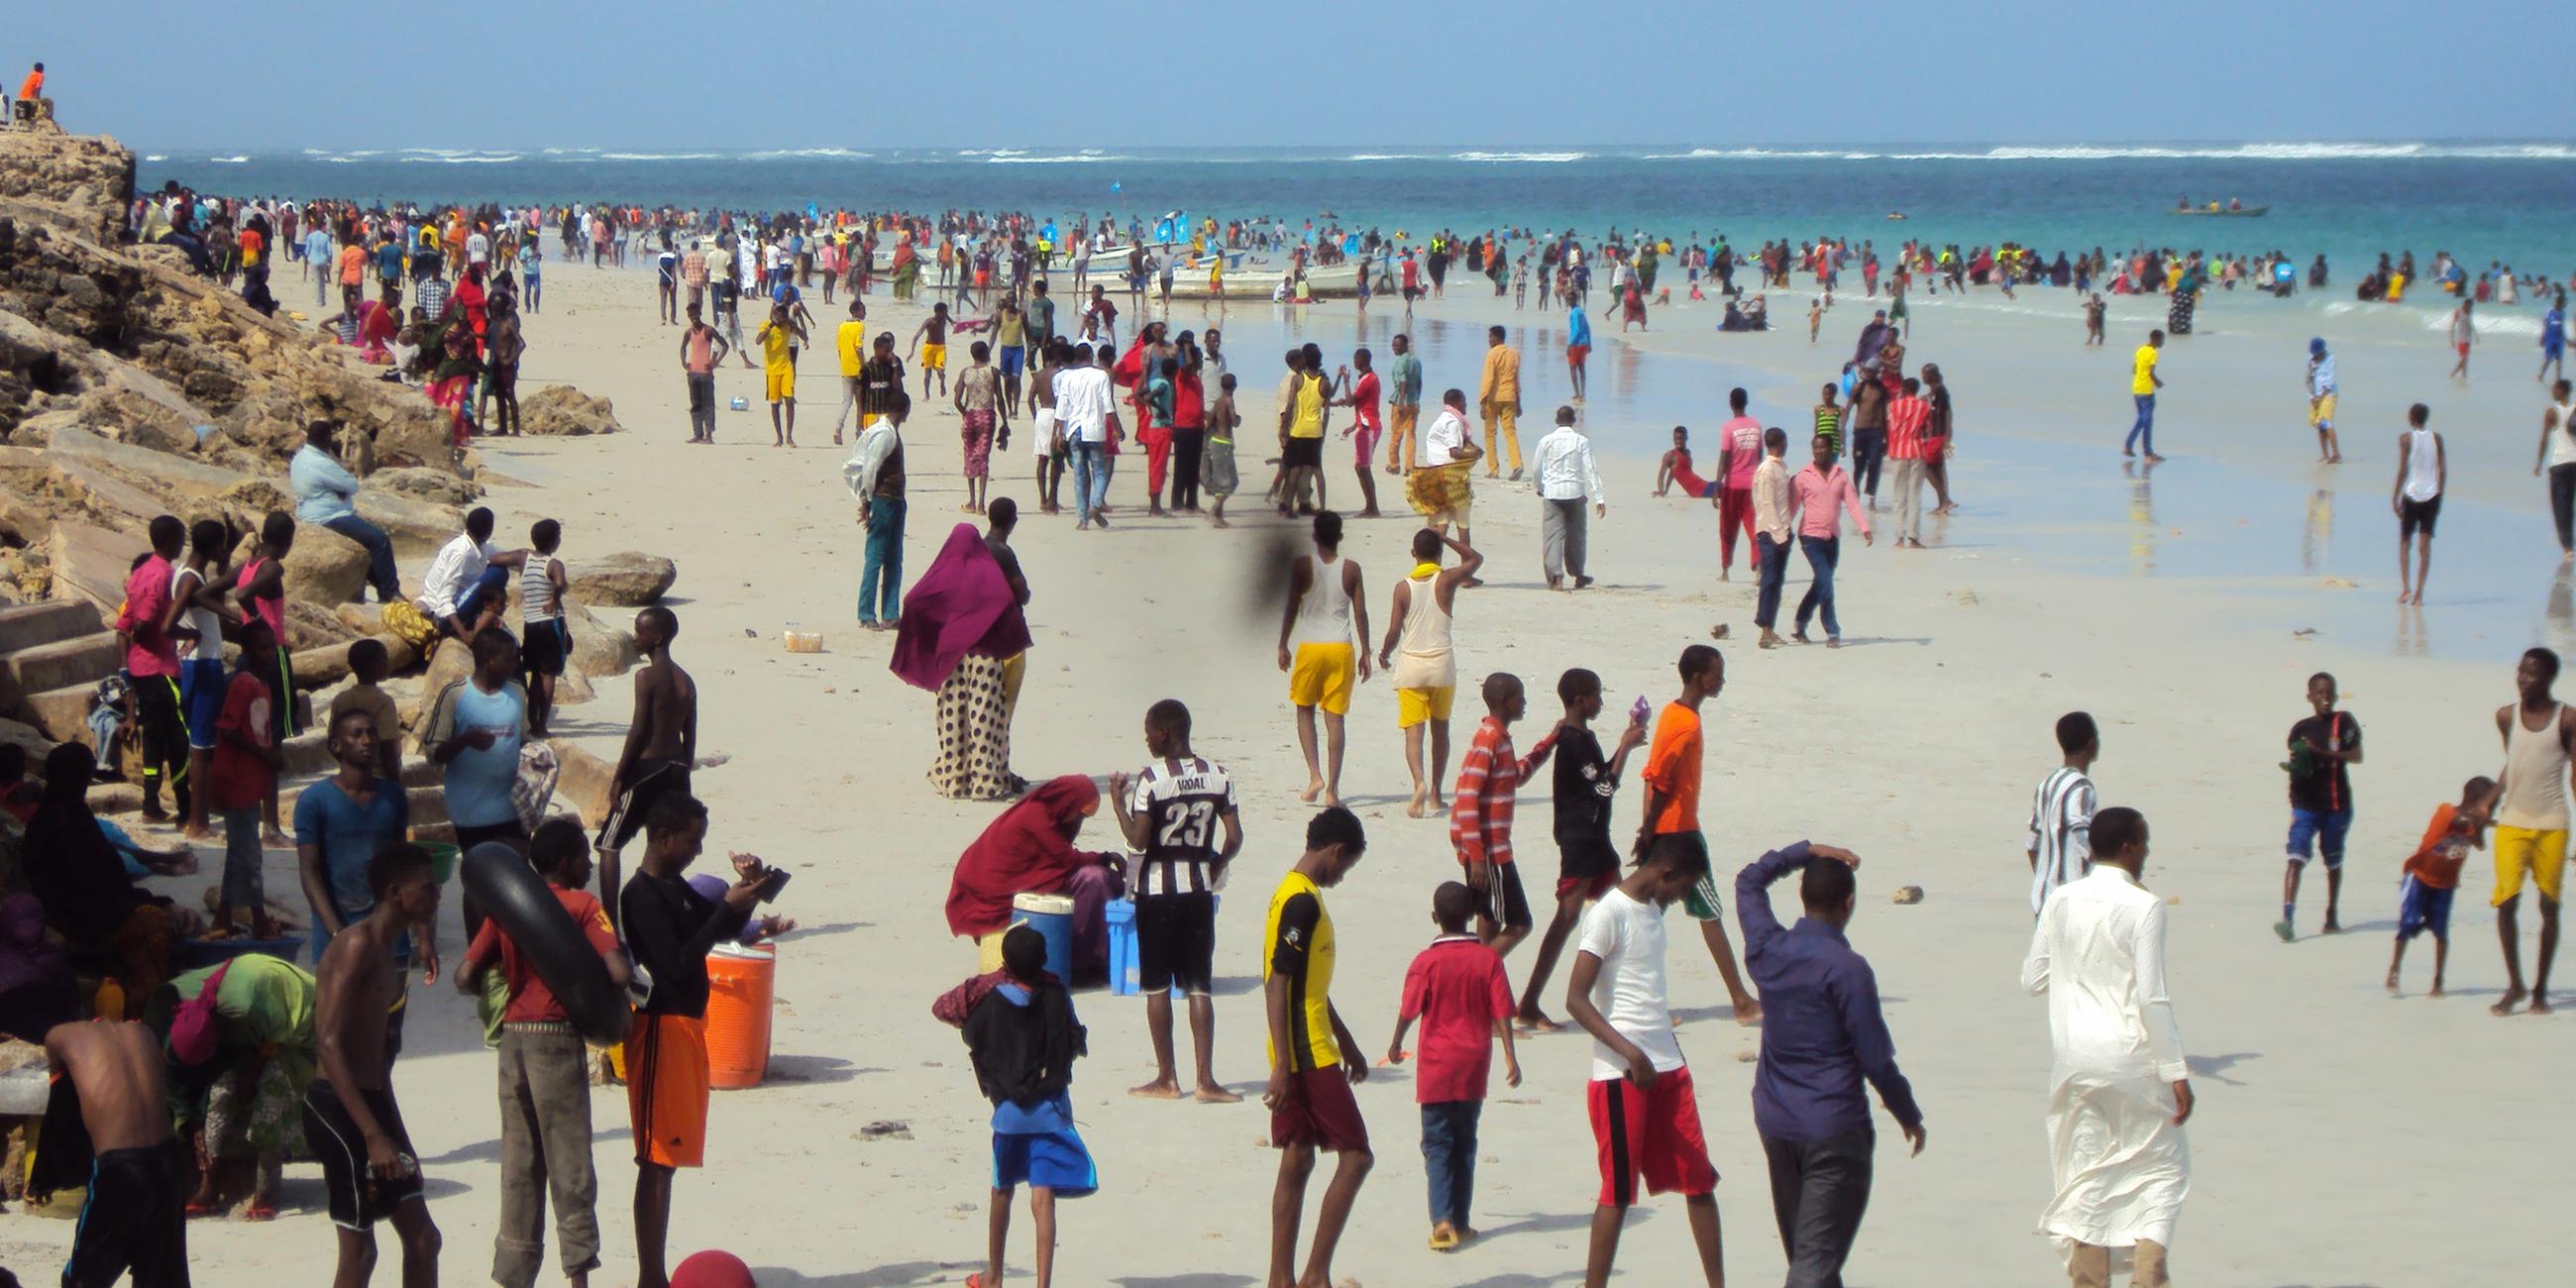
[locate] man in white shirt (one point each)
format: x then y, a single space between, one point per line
468 580
1442 489
1567 480
1083 404
2120 1088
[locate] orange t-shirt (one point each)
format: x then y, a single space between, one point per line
2438 860
1672 767
33 86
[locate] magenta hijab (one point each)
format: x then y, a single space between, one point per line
962 605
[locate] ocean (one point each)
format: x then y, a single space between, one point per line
2504 201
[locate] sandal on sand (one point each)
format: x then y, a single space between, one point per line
1443 1239
259 1211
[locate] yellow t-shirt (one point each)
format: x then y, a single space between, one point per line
1300 939
852 339
2144 381
774 343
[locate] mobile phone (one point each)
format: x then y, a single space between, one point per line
773 881
1637 714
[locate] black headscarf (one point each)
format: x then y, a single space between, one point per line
70 866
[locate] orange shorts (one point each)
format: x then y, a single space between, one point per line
666 1089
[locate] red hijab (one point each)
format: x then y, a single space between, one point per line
1029 848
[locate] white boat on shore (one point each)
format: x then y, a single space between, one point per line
1258 279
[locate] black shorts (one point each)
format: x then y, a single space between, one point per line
1176 942
358 1199
1504 904
278 673
469 837
1586 859
544 646
133 1221
1302 452
2414 515
653 780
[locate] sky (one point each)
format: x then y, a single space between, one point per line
1151 73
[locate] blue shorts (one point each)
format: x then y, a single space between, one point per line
1013 358
2325 829
2420 908
1050 1160
201 700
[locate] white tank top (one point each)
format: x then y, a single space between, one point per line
536 589
1424 658
2535 774
208 624
1324 615
2423 466
2562 435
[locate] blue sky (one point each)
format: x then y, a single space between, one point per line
1008 73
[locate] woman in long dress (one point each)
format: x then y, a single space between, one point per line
963 638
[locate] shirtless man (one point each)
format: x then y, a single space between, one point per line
1315 634
1426 679
132 1219
369 1168
2531 822
1042 428
661 745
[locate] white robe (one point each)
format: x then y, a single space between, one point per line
2121 1163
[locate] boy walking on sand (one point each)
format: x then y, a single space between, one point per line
2061 811
2432 875
1645 1113
1480 814
1672 809
1586 785
2323 747
1023 1037
1309 1095
243 775
1172 815
545 1077
1457 989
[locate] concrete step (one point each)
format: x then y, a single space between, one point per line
26 626
63 714
82 660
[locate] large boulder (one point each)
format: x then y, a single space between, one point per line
423 483
310 625
324 567
454 661
561 410
599 649
627 579
584 780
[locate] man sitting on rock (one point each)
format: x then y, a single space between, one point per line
468 582
325 494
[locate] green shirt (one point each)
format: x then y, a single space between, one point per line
1408 381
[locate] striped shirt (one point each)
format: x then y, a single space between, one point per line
2061 832
1905 420
1480 806
1182 802
433 297
1829 425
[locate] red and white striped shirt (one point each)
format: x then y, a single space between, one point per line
1906 418
1489 778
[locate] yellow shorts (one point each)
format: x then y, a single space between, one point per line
934 357
2520 850
1322 677
2321 413
1413 706
782 383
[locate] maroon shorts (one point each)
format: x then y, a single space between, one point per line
1654 1134
1319 1111
1591 887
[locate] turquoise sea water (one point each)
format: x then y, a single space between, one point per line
2482 201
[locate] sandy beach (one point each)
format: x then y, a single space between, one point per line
2185 609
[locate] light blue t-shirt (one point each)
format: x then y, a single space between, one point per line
348 836
317 246
478 782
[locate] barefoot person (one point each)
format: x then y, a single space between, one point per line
1172 817
131 1220
2143 384
2321 401
2323 748
1672 808
2433 876
1586 785
661 745
1309 1094
2120 1090
1426 678
369 1169
1644 1110
1315 649
2423 472
2531 822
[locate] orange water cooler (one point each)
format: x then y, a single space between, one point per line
742 985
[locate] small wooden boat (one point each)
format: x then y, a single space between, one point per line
2241 212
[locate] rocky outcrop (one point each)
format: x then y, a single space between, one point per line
626 579
561 410
81 185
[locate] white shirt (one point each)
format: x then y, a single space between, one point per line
1628 938
2098 955
453 571
1083 403
2423 466
1565 469
1448 433
478 248
2061 832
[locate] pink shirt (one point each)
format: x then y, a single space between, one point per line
1743 435
1814 494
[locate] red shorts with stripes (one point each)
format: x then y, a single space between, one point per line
1651 1133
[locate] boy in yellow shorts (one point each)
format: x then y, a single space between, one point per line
1315 649
778 338
931 339
2531 822
1420 662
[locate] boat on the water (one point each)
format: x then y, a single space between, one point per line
2240 212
